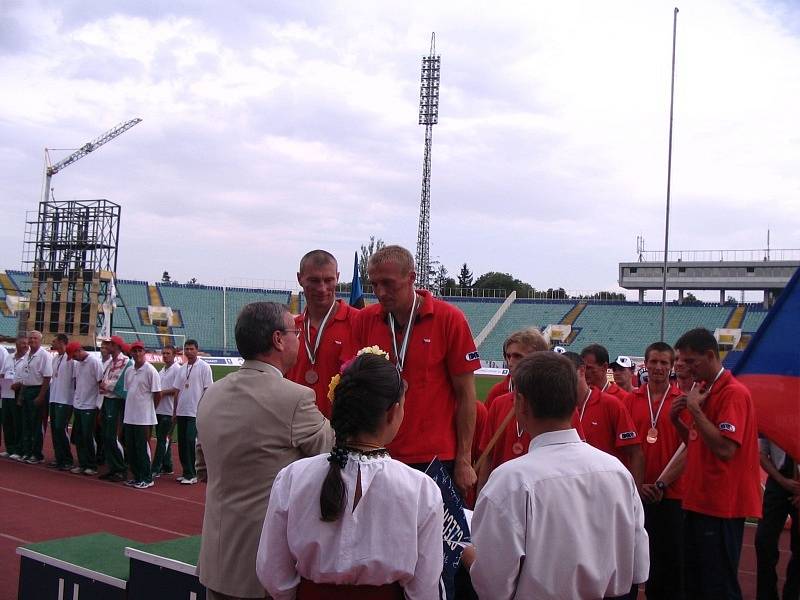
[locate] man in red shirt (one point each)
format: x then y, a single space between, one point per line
661 491
499 388
325 327
606 423
595 359
430 342
722 485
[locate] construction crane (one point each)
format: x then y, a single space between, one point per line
88 147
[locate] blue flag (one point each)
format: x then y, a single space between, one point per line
356 292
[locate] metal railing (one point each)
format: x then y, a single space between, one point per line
761 255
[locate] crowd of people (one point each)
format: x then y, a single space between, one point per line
316 449
112 401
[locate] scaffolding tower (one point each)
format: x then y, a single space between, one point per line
428 116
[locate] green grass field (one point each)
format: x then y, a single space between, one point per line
482 383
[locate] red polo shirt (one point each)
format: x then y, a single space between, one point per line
726 489
503 450
614 390
440 347
335 348
497 390
607 424
657 455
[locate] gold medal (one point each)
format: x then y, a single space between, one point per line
312 377
517 448
652 435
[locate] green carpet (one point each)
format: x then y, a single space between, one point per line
185 550
101 552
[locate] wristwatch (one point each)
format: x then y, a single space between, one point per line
661 485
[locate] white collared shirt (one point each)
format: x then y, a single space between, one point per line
192 381
140 384
7 370
169 380
35 367
62 386
572 512
88 374
393 535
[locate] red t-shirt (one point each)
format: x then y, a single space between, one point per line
511 443
607 423
657 455
439 348
726 489
498 389
335 348
614 390
481 416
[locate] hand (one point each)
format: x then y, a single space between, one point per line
678 406
16 386
790 485
468 556
464 476
39 400
695 400
650 493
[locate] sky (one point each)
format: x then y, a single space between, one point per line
273 128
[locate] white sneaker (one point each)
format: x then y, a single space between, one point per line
15 457
90 472
180 479
191 481
76 471
3 454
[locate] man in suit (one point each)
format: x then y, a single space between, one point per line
252 423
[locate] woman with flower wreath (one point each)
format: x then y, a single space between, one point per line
356 523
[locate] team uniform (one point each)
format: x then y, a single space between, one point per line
192 383
140 415
440 346
612 389
606 423
719 495
663 520
11 413
86 403
62 392
35 367
561 505
113 407
335 347
162 461
498 389
391 542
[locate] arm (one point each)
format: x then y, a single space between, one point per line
635 458
674 470
39 400
722 447
464 475
790 485
310 431
641 550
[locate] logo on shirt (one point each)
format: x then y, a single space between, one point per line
729 427
627 435
473 356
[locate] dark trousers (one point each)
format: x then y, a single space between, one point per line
83 424
12 425
138 449
112 415
664 524
776 508
32 423
187 437
59 420
162 461
713 546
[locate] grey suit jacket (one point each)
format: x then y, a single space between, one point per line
251 424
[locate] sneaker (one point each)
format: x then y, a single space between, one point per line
53 465
15 457
4 454
131 482
156 474
190 481
90 471
143 485
32 460
66 467
181 479
25 458
167 471
76 470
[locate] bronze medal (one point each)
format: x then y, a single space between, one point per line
312 377
517 448
652 435
692 434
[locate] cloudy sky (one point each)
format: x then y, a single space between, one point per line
271 128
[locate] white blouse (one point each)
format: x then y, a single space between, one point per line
393 534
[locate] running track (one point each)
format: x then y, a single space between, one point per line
37 503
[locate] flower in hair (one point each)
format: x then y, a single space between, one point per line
339 456
373 350
338 377
332 386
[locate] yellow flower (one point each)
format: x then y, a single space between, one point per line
373 350
332 386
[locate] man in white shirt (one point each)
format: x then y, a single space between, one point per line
143 388
565 520
6 398
192 381
113 406
37 369
88 373
12 393
62 392
162 461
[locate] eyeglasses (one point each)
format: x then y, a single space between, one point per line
296 332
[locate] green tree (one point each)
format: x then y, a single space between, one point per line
503 281
465 277
367 251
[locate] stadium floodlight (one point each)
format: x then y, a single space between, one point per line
428 116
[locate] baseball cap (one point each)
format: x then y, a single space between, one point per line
560 350
136 344
72 348
623 362
115 339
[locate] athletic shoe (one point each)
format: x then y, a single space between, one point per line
156 474
131 482
24 458
3 454
143 485
181 479
90 471
76 470
67 467
15 457
53 465
165 472
190 481
32 460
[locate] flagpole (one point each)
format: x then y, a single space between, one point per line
669 178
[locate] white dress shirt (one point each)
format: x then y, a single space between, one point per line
393 535
563 521
62 385
140 384
169 380
192 381
88 374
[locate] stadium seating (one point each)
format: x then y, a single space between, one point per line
477 310
522 314
753 319
236 298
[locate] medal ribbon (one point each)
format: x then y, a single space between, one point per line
401 354
312 354
654 420
585 402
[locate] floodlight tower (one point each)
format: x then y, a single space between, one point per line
428 116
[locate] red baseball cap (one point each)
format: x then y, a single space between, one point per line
115 339
136 344
72 348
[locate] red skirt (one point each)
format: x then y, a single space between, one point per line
308 590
